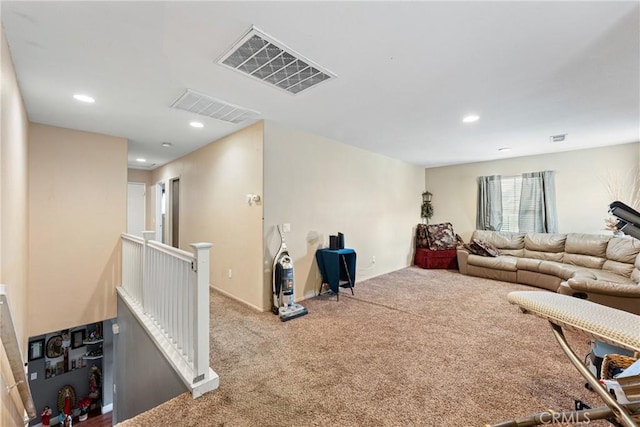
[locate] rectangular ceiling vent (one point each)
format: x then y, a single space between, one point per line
264 58
204 105
141 165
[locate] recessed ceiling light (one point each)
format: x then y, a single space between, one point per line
141 160
503 149
167 144
84 98
470 118
196 124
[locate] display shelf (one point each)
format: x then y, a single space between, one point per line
93 357
94 347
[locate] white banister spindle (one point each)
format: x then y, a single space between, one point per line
131 266
201 312
170 288
146 271
180 305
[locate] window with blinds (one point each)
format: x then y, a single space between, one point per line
511 187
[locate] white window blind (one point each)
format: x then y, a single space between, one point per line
511 186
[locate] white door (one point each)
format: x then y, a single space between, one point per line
135 208
161 211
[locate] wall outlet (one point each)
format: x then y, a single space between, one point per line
373 259
286 228
34 376
230 274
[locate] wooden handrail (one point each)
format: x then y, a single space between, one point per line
14 355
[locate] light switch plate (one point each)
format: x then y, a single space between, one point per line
34 376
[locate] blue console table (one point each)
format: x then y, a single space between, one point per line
337 265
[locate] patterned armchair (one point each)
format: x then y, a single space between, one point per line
436 246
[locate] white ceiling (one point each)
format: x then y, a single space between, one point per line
407 72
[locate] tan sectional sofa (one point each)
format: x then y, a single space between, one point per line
603 269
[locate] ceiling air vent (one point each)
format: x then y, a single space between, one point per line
141 165
264 58
204 105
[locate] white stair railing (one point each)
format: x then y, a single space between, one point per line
11 347
168 289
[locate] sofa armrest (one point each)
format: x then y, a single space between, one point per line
605 288
462 255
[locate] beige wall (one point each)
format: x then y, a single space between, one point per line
13 220
322 187
581 195
144 176
77 197
214 182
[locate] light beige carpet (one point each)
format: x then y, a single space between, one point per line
413 347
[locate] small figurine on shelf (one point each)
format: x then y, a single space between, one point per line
66 420
95 379
45 416
95 335
67 402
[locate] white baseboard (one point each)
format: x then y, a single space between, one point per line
227 294
107 408
309 295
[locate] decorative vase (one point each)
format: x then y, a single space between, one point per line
83 416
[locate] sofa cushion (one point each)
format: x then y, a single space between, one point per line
507 242
621 253
544 246
563 271
587 244
528 264
501 239
548 256
545 242
635 274
628 290
608 276
506 263
623 249
512 252
621 268
587 261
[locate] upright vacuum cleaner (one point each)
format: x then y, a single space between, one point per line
283 304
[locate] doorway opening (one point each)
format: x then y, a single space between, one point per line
161 212
175 212
136 196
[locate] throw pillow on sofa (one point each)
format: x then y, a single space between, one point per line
489 248
482 248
